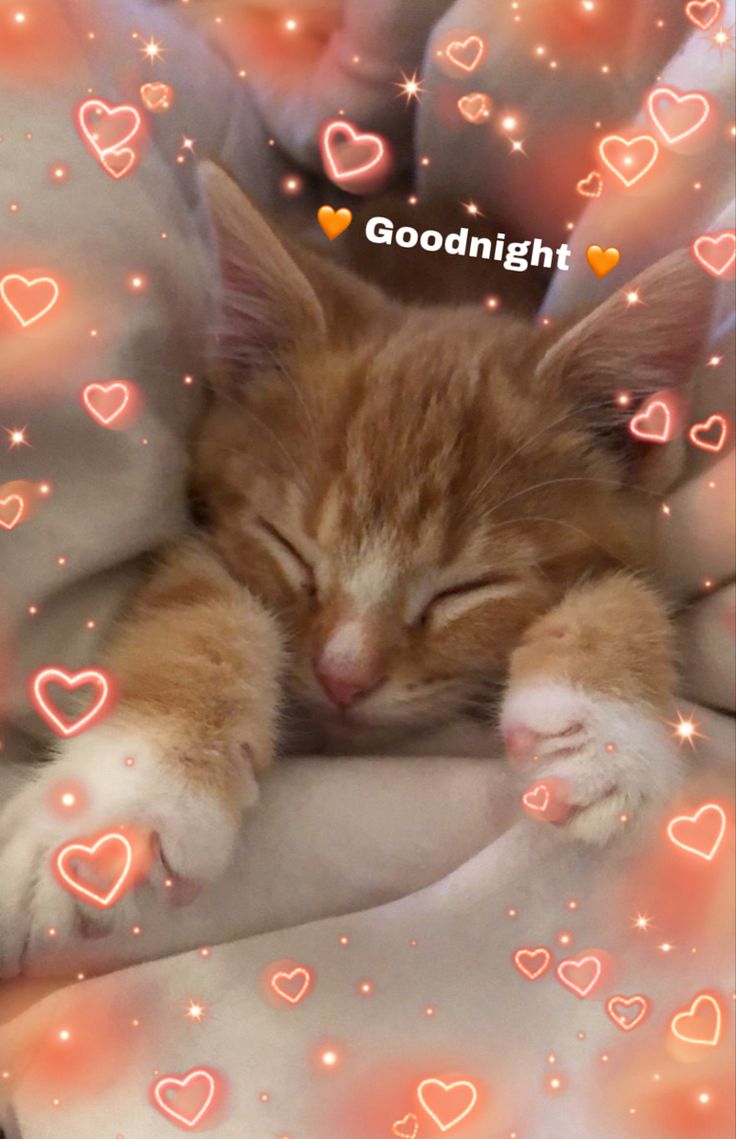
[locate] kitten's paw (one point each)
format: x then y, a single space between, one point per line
605 760
111 779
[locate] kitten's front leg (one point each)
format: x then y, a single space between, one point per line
586 708
198 662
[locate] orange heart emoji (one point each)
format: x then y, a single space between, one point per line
334 222
601 260
699 1024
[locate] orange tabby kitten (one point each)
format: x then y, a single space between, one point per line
410 510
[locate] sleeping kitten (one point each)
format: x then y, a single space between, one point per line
409 511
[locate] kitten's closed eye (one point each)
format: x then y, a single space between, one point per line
295 566
450 603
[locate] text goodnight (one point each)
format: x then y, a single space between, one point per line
515 256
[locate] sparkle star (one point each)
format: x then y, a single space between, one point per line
472 209
17 437
196 1011
152 49
410 87
517 146
632 298
724 39
686 730
642 922
187 143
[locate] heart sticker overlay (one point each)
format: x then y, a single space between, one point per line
533 963
700 1023
698 432
406 1128
466 54
107 129
716 252
629 158
677 116
293 986
703 13
592 186
346 153
476 107
29 299
537 798
11 511
580 974
701 833
157 97
186 1099
98 680
106 402
615 1009
447 1104
110 858
653 424
601 260
334 222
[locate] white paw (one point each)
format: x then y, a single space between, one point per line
606 759
119 782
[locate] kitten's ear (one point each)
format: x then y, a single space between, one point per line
643 339
267 307
276 297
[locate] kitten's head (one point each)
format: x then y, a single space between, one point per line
407 488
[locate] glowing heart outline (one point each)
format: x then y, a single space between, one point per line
579 963
693 820
182 1082
703 444
148 92
529 797
445 1126
9 278
635 428
526 952
103 901
582 185
305 989
700 4
692 1011
21 507
89 391
342 126
453 47
120 147
620 1020
484 106
70 681
679 98
628 143
409 1119
714 239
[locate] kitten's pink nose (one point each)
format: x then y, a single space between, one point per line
347 667
343 689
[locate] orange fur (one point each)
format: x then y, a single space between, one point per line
365 460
